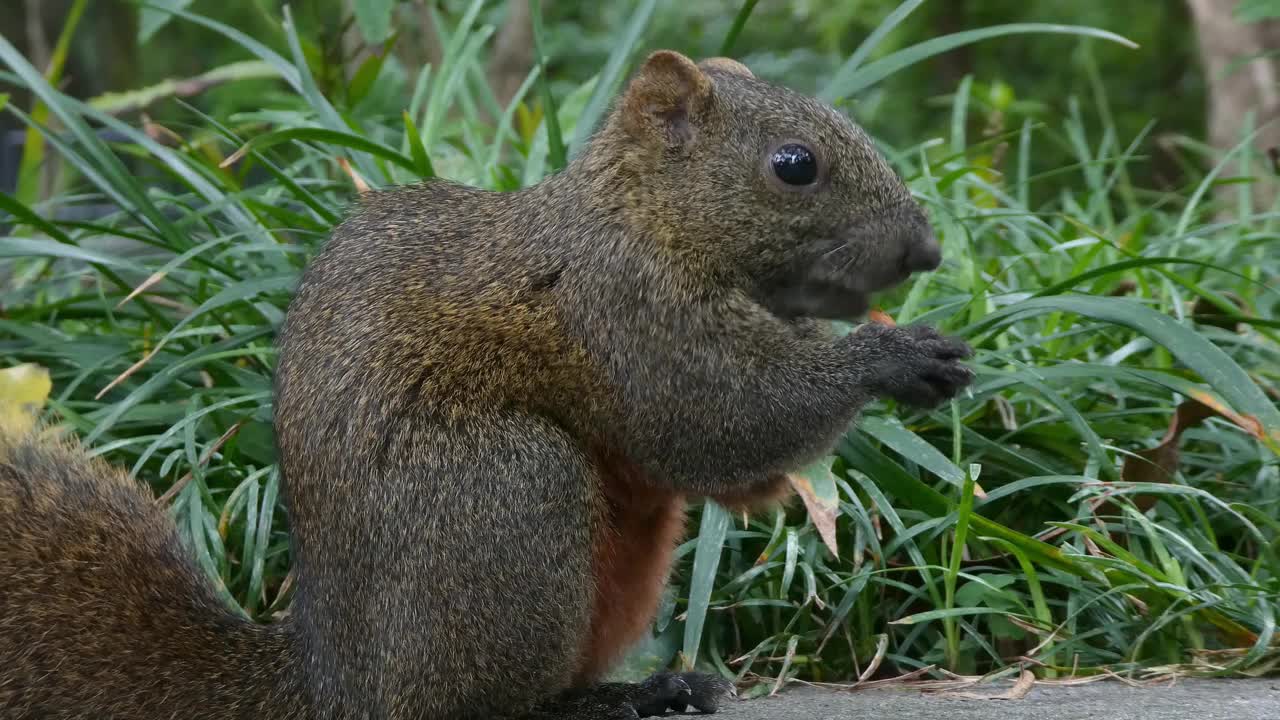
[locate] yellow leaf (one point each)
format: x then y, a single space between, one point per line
23 392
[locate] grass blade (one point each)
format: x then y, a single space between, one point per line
556 153
610 76
868 75
1207 360
706 559
739 20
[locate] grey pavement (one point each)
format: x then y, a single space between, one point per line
1182 700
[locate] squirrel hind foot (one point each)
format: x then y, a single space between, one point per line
652 697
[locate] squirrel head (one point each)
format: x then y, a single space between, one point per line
763 188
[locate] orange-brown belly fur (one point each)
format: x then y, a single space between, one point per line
635 537
636 534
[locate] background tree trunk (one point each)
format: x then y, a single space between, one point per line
1239 85
512 54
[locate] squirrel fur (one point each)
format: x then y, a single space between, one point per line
491 409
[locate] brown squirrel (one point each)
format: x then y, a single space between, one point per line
490 410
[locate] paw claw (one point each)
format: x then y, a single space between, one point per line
707 691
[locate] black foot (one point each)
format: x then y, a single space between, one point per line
706 692
658 693
653 697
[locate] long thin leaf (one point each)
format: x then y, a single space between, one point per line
872 73
610 76
706 559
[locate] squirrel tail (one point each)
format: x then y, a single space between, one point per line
103 612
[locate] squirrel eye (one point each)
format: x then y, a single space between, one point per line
795 164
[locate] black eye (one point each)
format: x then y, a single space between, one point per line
795 164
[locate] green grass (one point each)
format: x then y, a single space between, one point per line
994 532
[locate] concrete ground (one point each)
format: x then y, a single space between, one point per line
1183 700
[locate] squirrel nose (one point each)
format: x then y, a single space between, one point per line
923 252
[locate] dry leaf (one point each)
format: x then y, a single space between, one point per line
203 460
1020 689
823 505
362 186
128 371
1206 313
1124 287
151 280
160 133
1159 463
881 317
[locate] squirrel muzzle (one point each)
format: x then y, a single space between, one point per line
834 278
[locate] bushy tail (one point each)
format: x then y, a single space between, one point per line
103 613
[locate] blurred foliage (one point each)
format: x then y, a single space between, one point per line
1015 78
1250 11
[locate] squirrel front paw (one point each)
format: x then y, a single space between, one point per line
914 364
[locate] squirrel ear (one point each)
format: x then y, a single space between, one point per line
728 65
665 97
